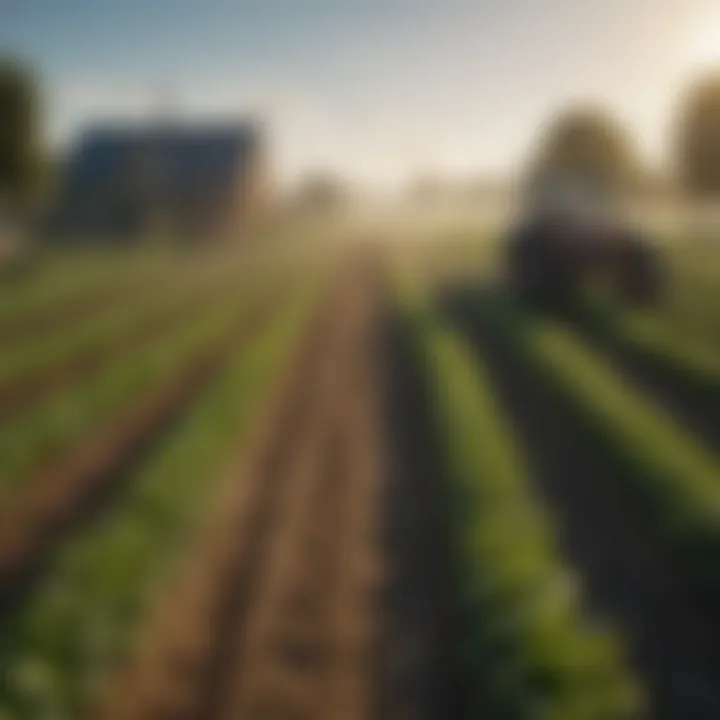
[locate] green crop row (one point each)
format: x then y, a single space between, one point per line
63 281
692 302
529 650
675 480
57 654
44 352
695 364
32 439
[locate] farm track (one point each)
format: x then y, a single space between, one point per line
275 615
689 406
30 390
630 579
74 488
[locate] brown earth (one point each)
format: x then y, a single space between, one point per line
71 488
322 583
305 597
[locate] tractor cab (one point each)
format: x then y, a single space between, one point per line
570 235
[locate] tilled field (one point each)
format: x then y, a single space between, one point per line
359 500
301 593
275 614
69 488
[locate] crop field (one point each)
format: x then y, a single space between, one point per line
357 483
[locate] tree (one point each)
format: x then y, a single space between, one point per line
19 142
322 190
698 139
585 145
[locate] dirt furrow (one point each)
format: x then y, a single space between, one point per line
630 578
191 661
179 665
74 487
273 671
306 651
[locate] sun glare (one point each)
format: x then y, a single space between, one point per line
707 45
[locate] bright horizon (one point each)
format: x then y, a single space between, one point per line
378 90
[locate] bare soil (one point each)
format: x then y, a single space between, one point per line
74 487
320 589
274 614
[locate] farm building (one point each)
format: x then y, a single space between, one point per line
193 179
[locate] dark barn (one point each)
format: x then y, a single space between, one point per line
200 180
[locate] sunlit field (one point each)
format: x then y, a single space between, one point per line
360 360
176 424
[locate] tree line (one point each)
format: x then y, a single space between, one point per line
588 142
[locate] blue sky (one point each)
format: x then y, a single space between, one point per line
377 88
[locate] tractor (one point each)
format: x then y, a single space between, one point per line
571 238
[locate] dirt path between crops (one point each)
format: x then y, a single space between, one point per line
319 589
275 614
74 488
628 578
693 408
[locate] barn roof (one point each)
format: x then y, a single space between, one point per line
182 157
